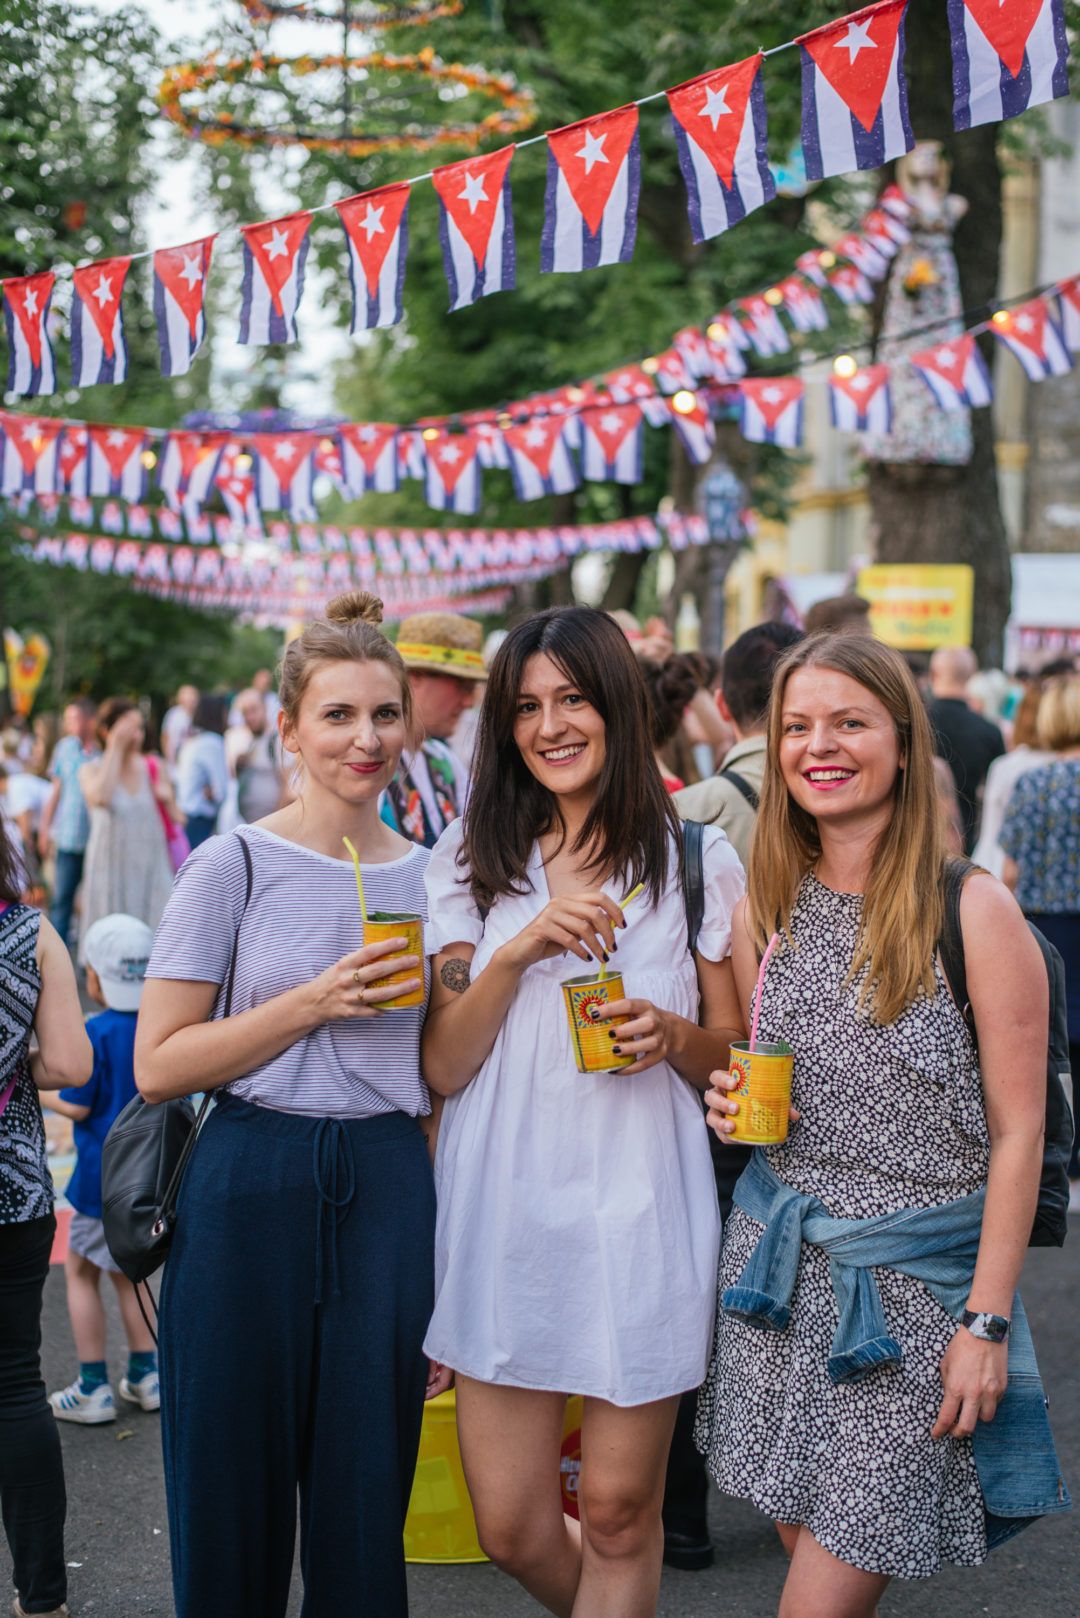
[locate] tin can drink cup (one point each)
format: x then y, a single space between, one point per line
763 1092
380 926
592 1041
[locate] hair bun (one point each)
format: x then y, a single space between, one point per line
355 606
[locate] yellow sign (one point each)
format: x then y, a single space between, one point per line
26 661
917 607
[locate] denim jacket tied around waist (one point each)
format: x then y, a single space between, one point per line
1014 1454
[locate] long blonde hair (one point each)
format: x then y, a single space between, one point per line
903 907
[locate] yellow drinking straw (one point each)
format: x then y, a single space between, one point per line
359 878
629 899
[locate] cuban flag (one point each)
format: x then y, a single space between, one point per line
1007 55
612 443
955 372
810 265
1069 310
490 444
691 344
727 361
116 463
632 385
896 202
31 366
861 403
763 326
98 350
864 255
1031 333
850 285
854 94
719 124
670 371
452 473
540 458
376 226
885 231
591 202
284 473
187 468
274 258
74 459
369 457
179 296
476 226
803 303
772 410
237 489
695 429
411 459
30 454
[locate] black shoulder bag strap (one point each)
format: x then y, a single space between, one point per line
172 1191
742 785
951 942
693 879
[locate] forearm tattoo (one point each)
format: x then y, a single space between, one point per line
455 976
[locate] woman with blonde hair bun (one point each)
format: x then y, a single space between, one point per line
300 1279
873 1385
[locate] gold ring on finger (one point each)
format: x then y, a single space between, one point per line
357 978
362 997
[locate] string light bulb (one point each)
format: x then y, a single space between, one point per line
149 459
684 402
243 462
716 330
827 259
429 433
774 296
845 365
1000 317
651 365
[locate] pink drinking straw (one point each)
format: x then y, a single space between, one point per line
765 959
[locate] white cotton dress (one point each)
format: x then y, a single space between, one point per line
578 1231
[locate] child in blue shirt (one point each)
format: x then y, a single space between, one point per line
117 950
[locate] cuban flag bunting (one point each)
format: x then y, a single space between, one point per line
854 94
187 468
850 285
864 255
452 478
896 202
763 326
490 444
670 371
810 265
862 402
476 226
98 350
693 347
612 443
772 410
74 463
285 472
30 458
720 131
631 385
727 361
1007 55
376 226
1069 309
591 202
695 429
179 296
540 458
804 304
369 457
411 459
31 366
885 231
274 258
955 372
116 463
1032 334
237 488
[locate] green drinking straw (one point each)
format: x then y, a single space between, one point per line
359 878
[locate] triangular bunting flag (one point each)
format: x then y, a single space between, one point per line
284 472
29 463
593 181
540 461
187 468
476 226
855 111
31 367
452 479
612 443
274 256
1031 333
369 457
772 410
98 350
116 462
179 296
861 402
376 226
719 123
1008 55
955 372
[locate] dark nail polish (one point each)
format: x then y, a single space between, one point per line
614 943
611 1033
616 1050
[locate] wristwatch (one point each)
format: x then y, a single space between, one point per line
991 1328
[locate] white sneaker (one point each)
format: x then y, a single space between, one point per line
72 1404
146 1392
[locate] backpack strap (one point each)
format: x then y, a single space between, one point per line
249 877
693 878
741 784
951 942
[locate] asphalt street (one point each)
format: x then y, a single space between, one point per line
117 1541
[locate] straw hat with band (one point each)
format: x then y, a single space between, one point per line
442 643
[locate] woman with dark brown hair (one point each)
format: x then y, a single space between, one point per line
577 1214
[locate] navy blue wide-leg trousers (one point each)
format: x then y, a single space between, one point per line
293 1310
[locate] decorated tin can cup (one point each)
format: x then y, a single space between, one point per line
763 1092
592 1041
380 926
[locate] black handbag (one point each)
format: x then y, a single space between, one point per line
145 1154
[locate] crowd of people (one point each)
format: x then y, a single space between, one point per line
405 1178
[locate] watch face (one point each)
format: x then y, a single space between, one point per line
992 1328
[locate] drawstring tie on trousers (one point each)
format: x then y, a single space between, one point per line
334 1173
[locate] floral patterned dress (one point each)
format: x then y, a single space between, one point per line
892 1117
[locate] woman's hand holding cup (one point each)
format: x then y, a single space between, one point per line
352 987
722 1108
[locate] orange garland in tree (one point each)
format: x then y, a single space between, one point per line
517 103
365 14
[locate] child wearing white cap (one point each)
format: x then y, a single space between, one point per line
117 950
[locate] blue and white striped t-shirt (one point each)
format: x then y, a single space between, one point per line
302 917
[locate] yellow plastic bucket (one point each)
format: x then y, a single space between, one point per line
440 1526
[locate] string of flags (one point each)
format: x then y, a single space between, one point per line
1006 58
592 432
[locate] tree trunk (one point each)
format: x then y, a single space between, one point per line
953 513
